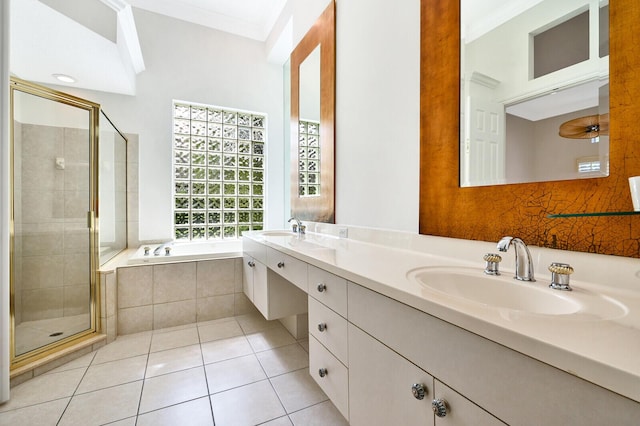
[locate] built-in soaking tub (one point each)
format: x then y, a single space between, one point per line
187 251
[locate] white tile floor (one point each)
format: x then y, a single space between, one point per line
235 371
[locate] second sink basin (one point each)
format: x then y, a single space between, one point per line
504 292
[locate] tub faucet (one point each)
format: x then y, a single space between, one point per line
165 246
524 263
297 227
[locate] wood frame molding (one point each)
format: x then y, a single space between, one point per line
323 33
488 213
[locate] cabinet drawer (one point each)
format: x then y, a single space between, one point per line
288 267
334 329
328 288
254 249
335 382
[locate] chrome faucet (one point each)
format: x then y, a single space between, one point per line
524 263
297 227
165 246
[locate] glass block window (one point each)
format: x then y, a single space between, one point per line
218 171
309 158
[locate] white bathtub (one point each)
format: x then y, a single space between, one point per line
189 251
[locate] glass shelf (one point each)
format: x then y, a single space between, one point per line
593 214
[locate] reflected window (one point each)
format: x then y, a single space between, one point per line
309 158
218 171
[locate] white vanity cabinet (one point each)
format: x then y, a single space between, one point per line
382 383
389 389
459 410
513 387
375 357
248 274
273 295
328 347
288 267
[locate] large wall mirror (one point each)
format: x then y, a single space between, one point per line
534 90
313 122
528 210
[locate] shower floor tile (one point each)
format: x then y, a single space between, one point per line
189 375
35 334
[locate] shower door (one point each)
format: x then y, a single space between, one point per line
53 266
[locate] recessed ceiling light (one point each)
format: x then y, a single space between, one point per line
64 78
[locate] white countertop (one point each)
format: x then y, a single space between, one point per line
603 351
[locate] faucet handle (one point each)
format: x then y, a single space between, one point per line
493 261
560 276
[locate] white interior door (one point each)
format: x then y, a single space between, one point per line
484 147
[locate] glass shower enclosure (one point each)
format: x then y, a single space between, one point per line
55 252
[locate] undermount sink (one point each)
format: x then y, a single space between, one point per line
278 233
503 292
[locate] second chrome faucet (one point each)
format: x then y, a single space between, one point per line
524 263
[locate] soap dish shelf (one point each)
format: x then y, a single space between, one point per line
594 214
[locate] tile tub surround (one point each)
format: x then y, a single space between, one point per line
381 261
241 370
152 297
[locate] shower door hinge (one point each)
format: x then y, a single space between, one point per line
90 219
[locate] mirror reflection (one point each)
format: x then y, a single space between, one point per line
534 91
309 126
112 190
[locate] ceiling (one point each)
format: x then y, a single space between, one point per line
248 18
96 41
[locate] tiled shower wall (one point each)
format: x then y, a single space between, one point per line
167 295
51 234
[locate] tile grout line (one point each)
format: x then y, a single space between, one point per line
271 384
144 378
206 378
200 343
73 394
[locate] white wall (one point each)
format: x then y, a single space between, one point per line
4 203
193 63
510 64
378 113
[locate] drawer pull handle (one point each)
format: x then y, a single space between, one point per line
251 263
322 372
280 264
418 391
322 327
439 407
321 287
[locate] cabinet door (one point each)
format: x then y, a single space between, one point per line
460 411
248 264
380 385
260 288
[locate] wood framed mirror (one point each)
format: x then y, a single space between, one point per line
313 122
523 210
